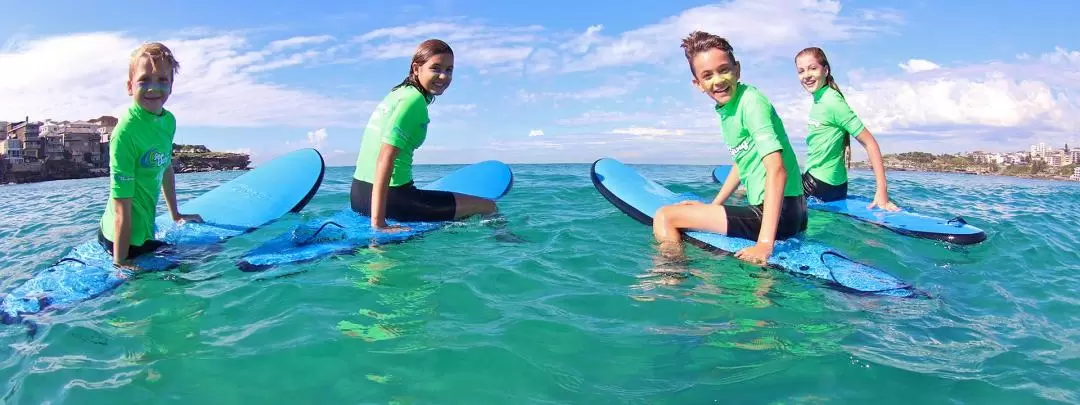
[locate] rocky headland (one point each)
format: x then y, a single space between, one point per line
198 158
186 159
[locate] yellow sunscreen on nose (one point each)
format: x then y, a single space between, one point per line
720 81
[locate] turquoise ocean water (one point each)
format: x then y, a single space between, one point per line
554 305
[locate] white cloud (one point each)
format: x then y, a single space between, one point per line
1030 95
582 43
298 41
492 49
762 28
596 117
317 138
1061 55
998 106
918 65
438 110
649 132
587 94
993 106
536 132
887 15
216 86
541 60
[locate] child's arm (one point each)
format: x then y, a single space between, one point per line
384 166
730 184
881 198
122 229
122 164
406 118
757 119
168 188
844 117
775 178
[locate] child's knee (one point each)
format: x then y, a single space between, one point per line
662 214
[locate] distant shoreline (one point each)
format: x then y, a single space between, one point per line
186 159
954 164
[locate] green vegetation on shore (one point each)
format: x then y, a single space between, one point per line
949 163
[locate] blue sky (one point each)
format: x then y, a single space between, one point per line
599 78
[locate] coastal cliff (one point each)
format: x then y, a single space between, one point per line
198 158
186 159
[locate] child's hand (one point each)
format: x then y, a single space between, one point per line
391 228
125 269
757 254
883 202
188 218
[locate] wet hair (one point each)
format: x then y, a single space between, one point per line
822 60
700 41
157 53
426 50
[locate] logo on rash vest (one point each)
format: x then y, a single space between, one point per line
813 123
153 158
742 147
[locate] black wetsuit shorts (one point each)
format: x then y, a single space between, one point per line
812 186
406 203
744 221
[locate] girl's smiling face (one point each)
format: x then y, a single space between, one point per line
436 73
811 72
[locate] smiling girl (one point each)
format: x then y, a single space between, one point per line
828 146
382 184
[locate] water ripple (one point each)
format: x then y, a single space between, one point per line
556 304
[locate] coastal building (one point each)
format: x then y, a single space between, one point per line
11 150
1056 159
1039 151
52 145
1076 174
1073 157
27 133
82 140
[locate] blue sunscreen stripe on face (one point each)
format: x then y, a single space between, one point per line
160 87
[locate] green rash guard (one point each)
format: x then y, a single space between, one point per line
400 120
830 120
140 150
751 130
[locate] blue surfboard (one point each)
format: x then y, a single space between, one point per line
253 199
904 222
640 197
345 231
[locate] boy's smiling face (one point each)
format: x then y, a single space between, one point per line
716 74
150 84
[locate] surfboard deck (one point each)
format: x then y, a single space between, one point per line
249 201
640 197
904 222
345 231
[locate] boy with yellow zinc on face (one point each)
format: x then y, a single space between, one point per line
140 160
764 162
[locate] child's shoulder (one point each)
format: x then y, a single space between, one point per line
752 96
830 95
